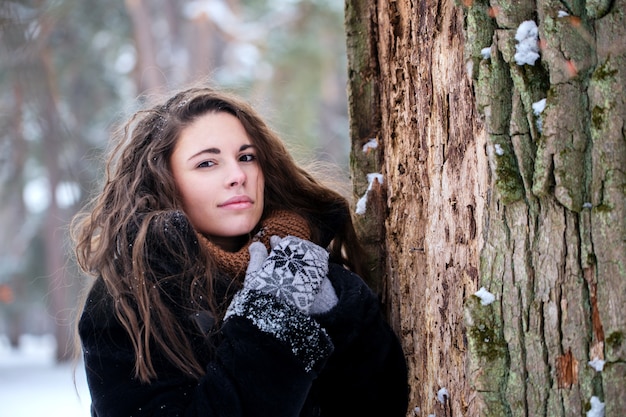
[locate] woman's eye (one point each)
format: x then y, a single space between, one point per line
206 164
249 157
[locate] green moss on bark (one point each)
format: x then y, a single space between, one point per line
489 355
615 340
508 178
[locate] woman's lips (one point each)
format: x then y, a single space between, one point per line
237 202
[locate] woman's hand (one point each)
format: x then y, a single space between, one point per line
279 292
293 271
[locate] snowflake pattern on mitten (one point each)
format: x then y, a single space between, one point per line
293 272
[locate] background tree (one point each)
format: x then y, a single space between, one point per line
70 69
497 133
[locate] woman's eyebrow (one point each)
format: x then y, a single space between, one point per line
214 151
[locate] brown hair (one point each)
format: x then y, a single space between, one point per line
139 185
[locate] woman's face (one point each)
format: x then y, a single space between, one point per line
218 177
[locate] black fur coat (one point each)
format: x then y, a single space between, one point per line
345 362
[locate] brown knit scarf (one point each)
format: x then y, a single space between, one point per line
280 223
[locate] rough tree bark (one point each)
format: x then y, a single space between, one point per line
483 187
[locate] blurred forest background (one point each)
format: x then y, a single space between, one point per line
70 69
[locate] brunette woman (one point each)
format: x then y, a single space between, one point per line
227 278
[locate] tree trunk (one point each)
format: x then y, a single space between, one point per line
148 77
484 187
60 295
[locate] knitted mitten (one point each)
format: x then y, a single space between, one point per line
277 293
293 271
324 300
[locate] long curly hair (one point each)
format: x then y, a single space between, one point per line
138 185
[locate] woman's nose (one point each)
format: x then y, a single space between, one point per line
236 176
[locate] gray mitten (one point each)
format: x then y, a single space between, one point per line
279 291
258 253
293 271
325 299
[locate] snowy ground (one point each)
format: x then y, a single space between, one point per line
31 384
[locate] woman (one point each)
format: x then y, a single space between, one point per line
226 278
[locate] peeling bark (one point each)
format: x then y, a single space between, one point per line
428 161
